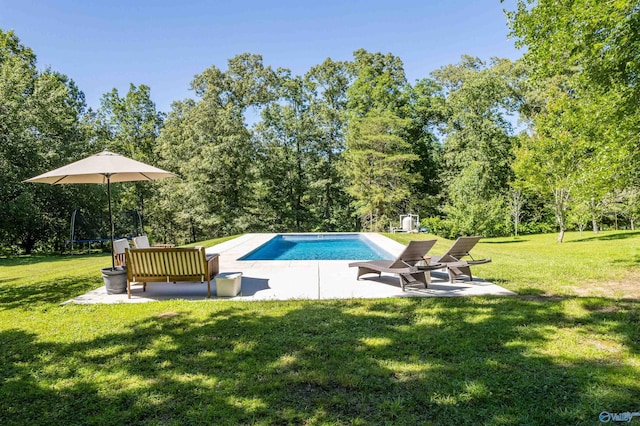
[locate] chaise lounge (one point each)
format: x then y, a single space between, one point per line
452 258
410 266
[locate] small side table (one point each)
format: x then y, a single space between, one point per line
228 284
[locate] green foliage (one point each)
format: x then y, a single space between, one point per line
435 226
347 145
479 217
547 165
130 126
39 130
600 39
583 73
478 144
379 82
579 216
376 167
286 136
329 202
208 145
292 171
628 204
425 113
537 227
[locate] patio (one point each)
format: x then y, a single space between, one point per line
299 279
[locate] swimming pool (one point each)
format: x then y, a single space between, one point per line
318 247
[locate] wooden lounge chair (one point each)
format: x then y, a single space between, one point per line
410 266
452 258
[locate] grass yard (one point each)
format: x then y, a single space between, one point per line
607 264
563 351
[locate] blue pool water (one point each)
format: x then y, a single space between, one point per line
318 247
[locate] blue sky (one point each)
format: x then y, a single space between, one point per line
163 44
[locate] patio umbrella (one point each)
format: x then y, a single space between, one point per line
105 167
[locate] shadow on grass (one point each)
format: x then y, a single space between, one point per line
514 241
531 291
34 260
416 361
607 237
44 293
31 292
627 261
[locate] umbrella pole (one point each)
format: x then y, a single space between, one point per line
113 261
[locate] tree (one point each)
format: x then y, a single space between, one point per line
478 142
130 126
597 42
379 83
376 166
377 99
629 205
330 204
285 136
516 202
425 112
210 146
583 60
173 208
39 130
548 161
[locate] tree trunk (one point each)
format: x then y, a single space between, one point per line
516 198
594 222
28 244
632 227
561 196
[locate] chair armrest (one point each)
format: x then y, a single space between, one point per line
213 264
478 262
431 266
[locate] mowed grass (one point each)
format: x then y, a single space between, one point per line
605 264
546 357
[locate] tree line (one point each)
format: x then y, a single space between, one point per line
548 142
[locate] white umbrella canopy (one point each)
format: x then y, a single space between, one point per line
105 167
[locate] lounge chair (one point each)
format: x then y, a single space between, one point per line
118 251
452 258
143 242
410 266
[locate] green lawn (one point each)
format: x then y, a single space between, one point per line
607 264
548 356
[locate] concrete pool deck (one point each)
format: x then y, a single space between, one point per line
297 279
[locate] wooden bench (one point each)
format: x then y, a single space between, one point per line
157 264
